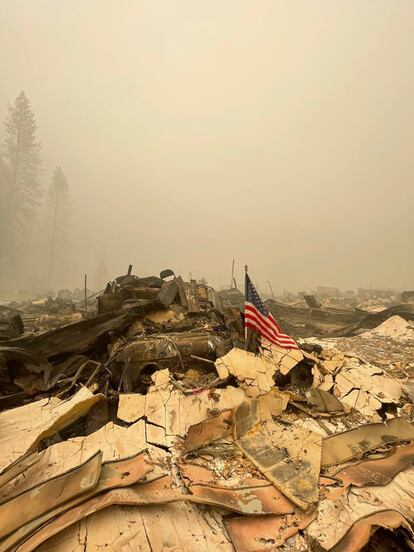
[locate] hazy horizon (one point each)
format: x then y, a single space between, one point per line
191 133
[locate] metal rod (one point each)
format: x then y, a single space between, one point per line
271 290
195 357
86 299
232 275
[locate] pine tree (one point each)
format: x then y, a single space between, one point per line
58 213
21 156
4 245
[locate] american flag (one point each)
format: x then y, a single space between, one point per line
257 317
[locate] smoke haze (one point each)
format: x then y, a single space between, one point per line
193 132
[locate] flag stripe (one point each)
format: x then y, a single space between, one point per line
275 323
266 320
281 340
249 309
253 324
257 317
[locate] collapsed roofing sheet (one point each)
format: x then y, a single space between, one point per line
22 429
378 471
350 444
116 474
290 457
267 533
34 502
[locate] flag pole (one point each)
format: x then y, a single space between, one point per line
246 268
250 336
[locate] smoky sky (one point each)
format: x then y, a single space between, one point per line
193 132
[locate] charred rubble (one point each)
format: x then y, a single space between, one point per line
136 419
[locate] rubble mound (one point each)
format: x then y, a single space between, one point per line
396 327
150 427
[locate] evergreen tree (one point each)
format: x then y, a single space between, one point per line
4 245
58 213
21 156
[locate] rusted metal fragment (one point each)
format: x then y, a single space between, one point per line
324 401
159 491
11 325
325 481
209 431
192 297
35 502
253 534
120 473
261 409
311 411
171 346
362 530
79 336
21 429
289 457
181 291
377 472
20 466
341 447
248 500
168 292
195 474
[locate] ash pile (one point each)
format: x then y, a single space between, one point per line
148 426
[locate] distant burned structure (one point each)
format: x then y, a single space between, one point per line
372 293
193 295
407 296
231 297
327 291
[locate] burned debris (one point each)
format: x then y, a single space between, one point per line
146 410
